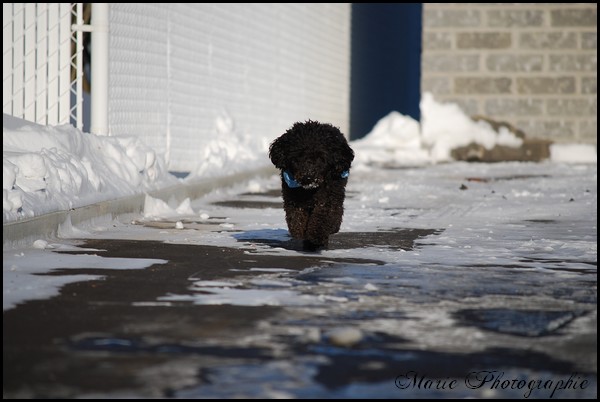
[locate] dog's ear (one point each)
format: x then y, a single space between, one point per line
341 152
343 156
277 151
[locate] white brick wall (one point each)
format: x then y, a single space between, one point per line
175 67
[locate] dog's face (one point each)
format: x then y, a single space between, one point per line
308 167
312 153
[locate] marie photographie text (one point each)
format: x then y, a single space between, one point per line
493 380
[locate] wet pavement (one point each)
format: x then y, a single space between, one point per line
403 305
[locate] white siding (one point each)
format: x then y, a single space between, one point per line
174 68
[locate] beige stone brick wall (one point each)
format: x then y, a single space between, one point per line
533 65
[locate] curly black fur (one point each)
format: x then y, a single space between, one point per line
316 155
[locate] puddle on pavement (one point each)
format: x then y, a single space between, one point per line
268 193
540 221
249 204
532 323
506 178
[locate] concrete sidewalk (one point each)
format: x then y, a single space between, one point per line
25 231
448 281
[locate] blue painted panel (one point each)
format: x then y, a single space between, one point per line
386 63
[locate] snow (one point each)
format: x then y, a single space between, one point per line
445 127
230 151
22 282
47 169
573 152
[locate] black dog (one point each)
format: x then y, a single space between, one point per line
314 159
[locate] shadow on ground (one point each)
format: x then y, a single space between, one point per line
394 239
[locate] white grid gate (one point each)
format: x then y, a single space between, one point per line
41 54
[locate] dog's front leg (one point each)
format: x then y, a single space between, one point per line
318 228
296 219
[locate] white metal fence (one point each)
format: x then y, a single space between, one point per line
42 67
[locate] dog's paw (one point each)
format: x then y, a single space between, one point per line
312 246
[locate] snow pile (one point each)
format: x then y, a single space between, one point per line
400 140
445 127
46 169
394 138
230 151
157 208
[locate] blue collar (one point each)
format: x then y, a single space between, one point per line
289 179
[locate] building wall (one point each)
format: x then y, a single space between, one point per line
175 68
533 65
